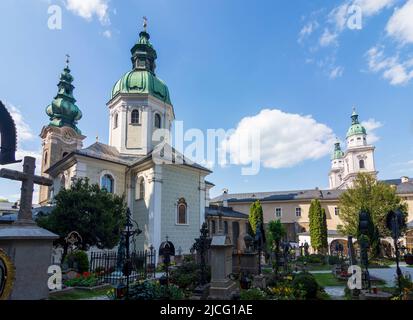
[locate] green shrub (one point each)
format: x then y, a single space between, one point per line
316 258
188 275
305 285
253 294
78 260
85 280
152 290
332 260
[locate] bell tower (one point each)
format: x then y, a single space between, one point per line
140 104
61 136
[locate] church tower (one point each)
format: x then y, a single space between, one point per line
337 166
359 157
61 136
140 103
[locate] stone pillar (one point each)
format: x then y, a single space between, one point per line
222 287
30 249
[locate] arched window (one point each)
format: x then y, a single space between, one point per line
107 183
135 117
158 121
213 227
115 121
362 164
182 212
140 192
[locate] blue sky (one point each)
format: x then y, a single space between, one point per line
225 61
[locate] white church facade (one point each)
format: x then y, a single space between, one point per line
167 200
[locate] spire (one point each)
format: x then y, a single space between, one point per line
354 116
63 110
143 53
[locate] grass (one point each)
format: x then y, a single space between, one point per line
79 295
328 280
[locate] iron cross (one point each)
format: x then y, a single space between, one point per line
28 179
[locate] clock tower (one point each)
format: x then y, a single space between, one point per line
61 136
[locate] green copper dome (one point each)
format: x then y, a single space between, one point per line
338 153
142 78
356 128
63 110
138 81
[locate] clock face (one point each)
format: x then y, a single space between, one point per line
67 137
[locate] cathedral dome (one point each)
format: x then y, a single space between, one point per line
63 110
356 128
142 79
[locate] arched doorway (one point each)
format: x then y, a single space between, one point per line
338 244
386 249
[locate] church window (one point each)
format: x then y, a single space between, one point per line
135 117
298 212
362 164
182 212
115 121
158 121
107 183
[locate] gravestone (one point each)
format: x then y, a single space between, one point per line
222 287
28 246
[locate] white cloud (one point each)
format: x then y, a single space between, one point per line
107 34
392 69
24 132
400 25
371 126
286 139
87 9
307 30
373 7
338 16
337 72
328 38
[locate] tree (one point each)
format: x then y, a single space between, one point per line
97 215
374 197
276 232
256 216
318 226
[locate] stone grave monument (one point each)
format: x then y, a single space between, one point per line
222 287
28 246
